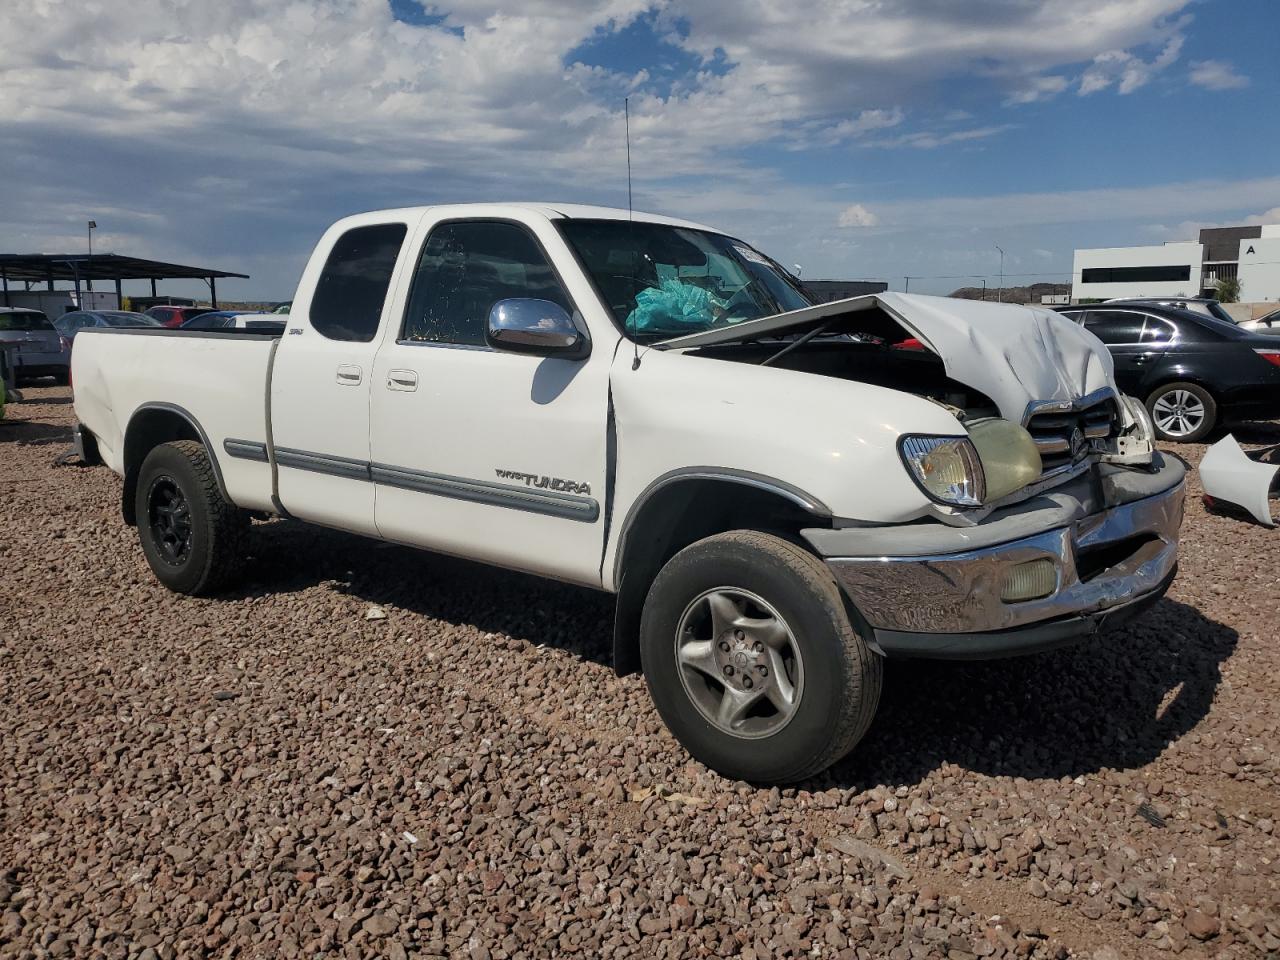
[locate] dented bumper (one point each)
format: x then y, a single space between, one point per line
1042 573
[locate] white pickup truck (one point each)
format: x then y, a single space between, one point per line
781 494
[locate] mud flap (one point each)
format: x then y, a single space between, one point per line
1244 480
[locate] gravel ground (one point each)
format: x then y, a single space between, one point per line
365 750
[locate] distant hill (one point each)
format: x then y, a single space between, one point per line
1028 294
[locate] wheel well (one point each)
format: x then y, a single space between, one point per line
673 517
149 428
1165 381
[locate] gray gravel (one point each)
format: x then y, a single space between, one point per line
282 771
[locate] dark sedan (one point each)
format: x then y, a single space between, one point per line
1193 371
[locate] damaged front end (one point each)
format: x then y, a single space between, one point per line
1033 392
1237 482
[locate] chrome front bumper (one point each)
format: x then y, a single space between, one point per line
1112 538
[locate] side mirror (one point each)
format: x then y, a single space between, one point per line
539 327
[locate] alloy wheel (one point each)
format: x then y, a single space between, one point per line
1178 413
739 662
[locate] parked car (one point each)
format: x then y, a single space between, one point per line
175 316
284 308
37 348
69 324
778 495
236 320
1268 323
211 320
1205 306
1193 371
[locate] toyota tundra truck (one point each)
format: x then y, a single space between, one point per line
781 494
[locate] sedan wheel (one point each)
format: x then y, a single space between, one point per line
1182 411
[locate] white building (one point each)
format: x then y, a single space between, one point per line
1259 266
1184 268
1166 270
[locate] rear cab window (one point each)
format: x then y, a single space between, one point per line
349 296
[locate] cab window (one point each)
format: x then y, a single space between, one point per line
465 268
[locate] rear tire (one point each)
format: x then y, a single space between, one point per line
193 539
752 660
1182 412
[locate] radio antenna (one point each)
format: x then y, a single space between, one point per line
631 234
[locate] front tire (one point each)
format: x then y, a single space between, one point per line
1182 412
752 660
193 539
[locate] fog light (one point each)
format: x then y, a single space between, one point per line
1029 581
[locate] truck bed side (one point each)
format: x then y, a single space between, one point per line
129 380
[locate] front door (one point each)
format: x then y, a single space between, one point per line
487 454
321 376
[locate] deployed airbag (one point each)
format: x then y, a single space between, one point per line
673 306
1228 473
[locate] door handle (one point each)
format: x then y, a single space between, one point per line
406 380
1141 358
349 374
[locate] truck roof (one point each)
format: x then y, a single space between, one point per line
552 211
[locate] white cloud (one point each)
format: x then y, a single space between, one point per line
1126 71
1216 75
260 120
1038 88
856 215
931 140
1269 216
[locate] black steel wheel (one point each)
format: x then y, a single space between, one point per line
169 516
192 537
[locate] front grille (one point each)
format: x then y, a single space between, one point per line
1053 431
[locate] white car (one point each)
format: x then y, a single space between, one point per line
780 494
33 344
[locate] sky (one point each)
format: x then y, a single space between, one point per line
860 139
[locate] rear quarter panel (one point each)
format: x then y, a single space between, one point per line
218 379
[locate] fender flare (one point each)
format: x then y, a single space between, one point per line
130 474
630 596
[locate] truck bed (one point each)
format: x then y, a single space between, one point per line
221 376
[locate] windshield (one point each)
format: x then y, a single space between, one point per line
24 321
662 281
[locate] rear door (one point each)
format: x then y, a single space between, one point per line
323 368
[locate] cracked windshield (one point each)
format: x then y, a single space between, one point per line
664 281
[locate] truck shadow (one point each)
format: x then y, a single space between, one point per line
287 556
1115 702
33 432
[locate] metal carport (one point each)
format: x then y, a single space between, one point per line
49 268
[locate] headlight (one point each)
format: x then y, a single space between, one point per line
946 468
1009 456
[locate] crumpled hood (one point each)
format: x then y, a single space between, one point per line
1016 355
